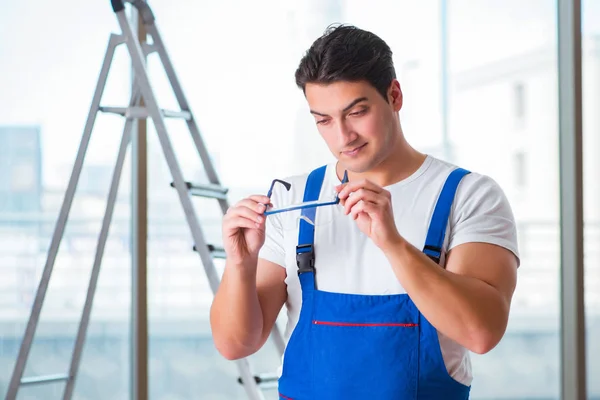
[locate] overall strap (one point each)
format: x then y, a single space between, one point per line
305 253
439 221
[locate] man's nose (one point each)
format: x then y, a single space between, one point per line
346 133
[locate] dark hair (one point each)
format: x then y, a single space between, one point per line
347 53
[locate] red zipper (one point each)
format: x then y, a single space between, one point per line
359 324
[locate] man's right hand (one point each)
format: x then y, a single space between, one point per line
244 229
252 290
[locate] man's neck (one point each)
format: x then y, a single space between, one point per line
401 163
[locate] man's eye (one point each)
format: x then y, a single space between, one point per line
357 113
322 121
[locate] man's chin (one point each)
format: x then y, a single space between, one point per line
357 165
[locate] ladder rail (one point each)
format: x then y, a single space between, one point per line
142 89
199 143
93 283
59 229
143 81
201 147
277 338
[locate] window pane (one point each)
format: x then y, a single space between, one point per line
503 113
221 79
591 187
501 121
47 88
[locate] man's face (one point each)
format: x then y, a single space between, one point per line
356 122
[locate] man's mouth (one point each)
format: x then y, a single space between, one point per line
354 151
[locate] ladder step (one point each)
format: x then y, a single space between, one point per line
265 381
177 114
216 251
35 380
208 190
142 112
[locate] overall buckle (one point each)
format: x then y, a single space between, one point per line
433 252
305 258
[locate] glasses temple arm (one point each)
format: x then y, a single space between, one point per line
284 183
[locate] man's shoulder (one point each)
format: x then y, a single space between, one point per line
482 213
474 183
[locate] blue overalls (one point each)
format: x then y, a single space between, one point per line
348 346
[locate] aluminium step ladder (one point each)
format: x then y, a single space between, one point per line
142 105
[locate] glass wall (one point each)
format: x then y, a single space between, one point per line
50 60
591 188
503 112
480 90
243 94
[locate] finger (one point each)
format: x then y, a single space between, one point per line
362 184
350 195
260 199
362 207
253 205
341 186
235 223
363 195
246 212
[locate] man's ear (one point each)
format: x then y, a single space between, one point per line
395 95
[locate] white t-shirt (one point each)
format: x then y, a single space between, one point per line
347 261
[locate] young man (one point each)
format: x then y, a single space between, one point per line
415 267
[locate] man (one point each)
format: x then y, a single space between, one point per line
414 268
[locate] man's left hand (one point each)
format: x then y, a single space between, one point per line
371 207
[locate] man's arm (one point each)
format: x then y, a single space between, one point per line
469 301
246 307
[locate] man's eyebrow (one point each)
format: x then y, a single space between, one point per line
349 106
355 102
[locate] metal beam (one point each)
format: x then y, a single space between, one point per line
573 363
139 231
444 32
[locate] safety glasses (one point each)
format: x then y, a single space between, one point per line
294 210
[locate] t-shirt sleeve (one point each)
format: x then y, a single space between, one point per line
273 250
482 213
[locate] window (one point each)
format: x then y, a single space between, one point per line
526 363
520 168
591 189
46 92
520 102
501 73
